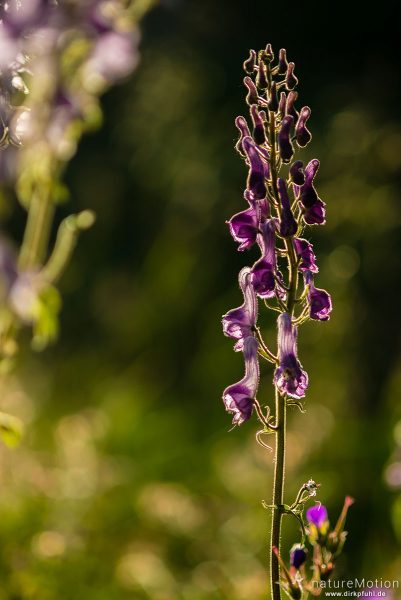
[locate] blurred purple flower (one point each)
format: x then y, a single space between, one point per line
317 515
238 398
298 555
239 323
113 57
289 377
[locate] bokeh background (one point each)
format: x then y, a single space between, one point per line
128 483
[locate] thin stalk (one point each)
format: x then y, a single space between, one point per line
37 229
278 495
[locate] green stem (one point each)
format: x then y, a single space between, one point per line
278 495
37 229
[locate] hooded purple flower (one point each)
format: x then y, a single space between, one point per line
256 178
314 207
302 133
306 256
258 127
289 377
242 126
239 322
317 515
319 301
244 228
288 225
264 270
238 398
296 172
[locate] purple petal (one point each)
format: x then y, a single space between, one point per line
304 250
244 227
317 515
302 133
238 398
288 225
289 377
284 142
239 323
256 178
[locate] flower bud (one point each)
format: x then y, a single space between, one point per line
302 133
282 105
273 100
282 62
288 225
249 63
258 127
290 79
284 142
243 128
261 79
298 555
268 53
296 172
291 110
252 95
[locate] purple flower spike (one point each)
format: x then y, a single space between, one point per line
258 127
317 515
290 80
302 133
316 215
288 225
238 323
242 126
296 172
264 270
306 256
249 63
284 142
289 377
252 95
298 555
238 398
320 305
256 178
244 227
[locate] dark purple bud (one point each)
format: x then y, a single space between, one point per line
256 177
282 104
273 100
288 225
290 79
238 398
263 271
243 129
252 95
302 133
296 172
316 214
244 227
261 79
284 141
298 555
289 377
290 110
240 322
306 256
319 301
249 63
282 62
269 54
258 127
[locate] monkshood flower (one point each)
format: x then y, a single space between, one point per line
245 225
319 301
239 323
239 397
302 133
289 377
256 178
264 270
306 256
313 207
